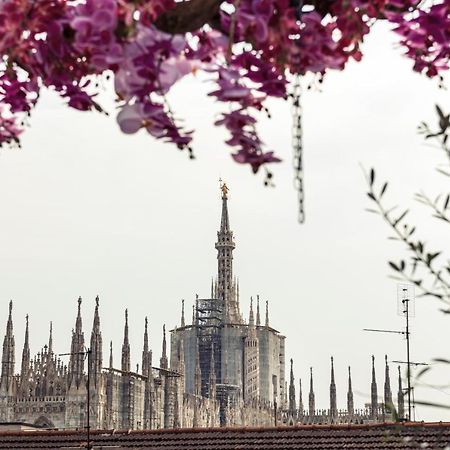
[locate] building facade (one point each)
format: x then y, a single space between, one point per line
220 370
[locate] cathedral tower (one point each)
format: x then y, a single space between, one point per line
225 246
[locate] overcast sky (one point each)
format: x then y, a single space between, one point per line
86 210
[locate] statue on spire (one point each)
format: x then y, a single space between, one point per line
224 188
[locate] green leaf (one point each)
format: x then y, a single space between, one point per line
370 195
423 371
443 172
383 189
394 266
420 246
447 199
431 256
441 360
439 111
372 176
401 217
436 405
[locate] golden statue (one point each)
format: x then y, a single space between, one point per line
224 189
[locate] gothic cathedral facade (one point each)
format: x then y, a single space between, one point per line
220 371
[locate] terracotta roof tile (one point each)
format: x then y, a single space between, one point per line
317 437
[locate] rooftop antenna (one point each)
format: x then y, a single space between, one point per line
405 308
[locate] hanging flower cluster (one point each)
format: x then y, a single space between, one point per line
249 47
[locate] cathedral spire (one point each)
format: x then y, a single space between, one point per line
333 402
110 355
251 317
163 361
350 406
8 354
78 322
300 399
96 356
224 221
146 364
50 339
258 316
292 406
387 388
76 363
374 392
225 246
126 360
183 321
267 314
25 353
312 406
400 397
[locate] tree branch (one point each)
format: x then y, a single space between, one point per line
189 16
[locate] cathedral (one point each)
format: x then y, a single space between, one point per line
220 370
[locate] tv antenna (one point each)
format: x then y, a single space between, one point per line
405 308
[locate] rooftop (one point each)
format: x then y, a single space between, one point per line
403 436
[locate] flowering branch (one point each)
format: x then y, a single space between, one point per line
146 46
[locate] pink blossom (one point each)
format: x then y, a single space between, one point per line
94 23
154 119
65 45
10 130
426 37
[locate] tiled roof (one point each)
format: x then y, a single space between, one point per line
404 436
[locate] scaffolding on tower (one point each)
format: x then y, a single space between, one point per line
209 325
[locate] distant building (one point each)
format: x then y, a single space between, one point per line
221 371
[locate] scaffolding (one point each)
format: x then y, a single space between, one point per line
209 324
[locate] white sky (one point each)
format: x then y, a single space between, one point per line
86 210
